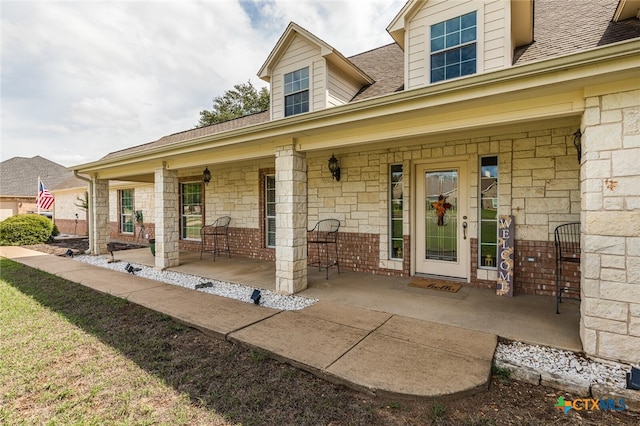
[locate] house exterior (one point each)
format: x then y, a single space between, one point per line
478 110
19 184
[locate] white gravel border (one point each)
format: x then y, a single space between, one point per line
243 293
565 364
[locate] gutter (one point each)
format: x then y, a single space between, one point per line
301 123
89 208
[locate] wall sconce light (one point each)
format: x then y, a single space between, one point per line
334 168
577 142
206 176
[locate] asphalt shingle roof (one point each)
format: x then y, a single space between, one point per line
19 176
561 27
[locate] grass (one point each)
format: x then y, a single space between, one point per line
73 356
500 373
70 355
59 365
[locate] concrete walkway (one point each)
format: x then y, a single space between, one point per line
369 350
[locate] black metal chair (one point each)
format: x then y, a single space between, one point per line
218 232
567 242
323 234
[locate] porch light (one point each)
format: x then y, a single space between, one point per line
334 167
577 142
206 175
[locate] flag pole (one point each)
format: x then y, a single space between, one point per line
38 196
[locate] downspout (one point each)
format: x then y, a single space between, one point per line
89 208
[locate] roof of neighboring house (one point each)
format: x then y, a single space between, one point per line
560 28
569 26
19 175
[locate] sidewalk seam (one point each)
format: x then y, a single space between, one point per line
228 337
357 343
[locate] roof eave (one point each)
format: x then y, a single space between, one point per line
545 71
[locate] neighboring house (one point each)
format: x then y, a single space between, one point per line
19 183
522 108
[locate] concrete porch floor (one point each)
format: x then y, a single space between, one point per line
526 318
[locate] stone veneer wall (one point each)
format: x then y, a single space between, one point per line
610 321
235 191
539 184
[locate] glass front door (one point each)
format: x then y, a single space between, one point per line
441 228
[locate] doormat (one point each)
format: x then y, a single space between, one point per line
434 284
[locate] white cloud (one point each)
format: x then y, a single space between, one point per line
82 79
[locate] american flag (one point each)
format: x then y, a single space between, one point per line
45 198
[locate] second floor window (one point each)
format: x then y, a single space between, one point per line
453 48
296 92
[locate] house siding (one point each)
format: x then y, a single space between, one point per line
340 89
493 36
299 54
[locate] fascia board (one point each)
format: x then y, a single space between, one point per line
396 28
626 9
599 61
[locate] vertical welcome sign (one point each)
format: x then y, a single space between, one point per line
505 255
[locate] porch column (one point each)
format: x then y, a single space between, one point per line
167 220
100 217
291 220
610 266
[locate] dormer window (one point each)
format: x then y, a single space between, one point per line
296 92
453 48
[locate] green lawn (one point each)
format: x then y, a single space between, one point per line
71 355
64 361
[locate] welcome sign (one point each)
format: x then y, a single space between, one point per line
505 255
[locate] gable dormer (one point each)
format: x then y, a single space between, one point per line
445 39
306 74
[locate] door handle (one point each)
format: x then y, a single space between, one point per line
464 229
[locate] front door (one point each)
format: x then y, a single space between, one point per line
442 242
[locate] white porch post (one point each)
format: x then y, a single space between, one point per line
100 217
291 220
167 220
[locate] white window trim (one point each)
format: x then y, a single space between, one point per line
450 14
295 67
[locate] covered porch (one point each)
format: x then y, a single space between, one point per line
528 318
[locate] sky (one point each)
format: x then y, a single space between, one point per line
81 79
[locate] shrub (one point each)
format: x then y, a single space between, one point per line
25 229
